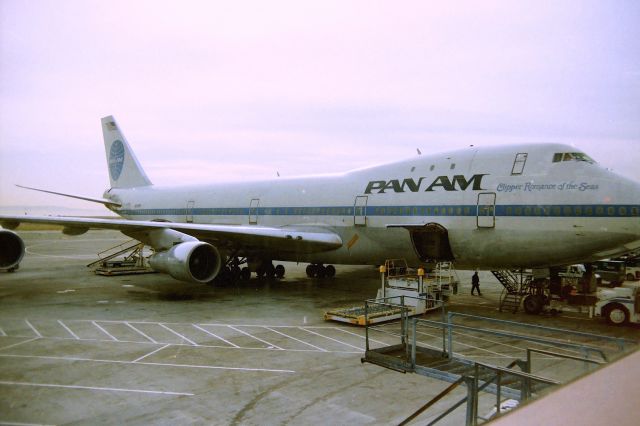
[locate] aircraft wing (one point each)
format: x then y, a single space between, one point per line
242 237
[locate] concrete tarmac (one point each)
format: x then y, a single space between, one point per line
78 348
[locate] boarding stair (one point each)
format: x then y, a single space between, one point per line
516 285
123 259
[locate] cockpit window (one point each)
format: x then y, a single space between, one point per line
572 156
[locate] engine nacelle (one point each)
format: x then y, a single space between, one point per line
192 261
11 250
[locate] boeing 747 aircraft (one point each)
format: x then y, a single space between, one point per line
534 205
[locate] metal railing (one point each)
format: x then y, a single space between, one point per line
479 376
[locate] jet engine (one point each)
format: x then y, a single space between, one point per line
11 250
192 261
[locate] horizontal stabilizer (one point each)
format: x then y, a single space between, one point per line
107 203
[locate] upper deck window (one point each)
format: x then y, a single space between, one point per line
518 163
572 156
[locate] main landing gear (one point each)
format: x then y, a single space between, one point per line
234 271
318 270
267 270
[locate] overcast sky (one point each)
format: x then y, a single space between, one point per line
215 90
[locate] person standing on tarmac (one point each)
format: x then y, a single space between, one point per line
475 284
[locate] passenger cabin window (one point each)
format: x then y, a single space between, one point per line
518 163
572 156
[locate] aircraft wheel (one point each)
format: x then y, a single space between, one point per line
330 271
616 314
245 274
311 270
270 271
321 271
533 304
630 277
279 271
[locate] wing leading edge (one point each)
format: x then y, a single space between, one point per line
286 239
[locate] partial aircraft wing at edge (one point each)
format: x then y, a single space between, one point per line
308 240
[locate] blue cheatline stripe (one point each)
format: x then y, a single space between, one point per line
515 210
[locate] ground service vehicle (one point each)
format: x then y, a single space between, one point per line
632 269
620 305
611 272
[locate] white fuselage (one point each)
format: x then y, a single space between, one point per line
502 207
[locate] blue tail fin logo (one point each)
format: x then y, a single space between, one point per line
116 159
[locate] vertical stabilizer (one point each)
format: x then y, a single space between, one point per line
124 169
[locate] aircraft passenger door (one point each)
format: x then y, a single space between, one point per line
486 210
190 208
253 211
360 210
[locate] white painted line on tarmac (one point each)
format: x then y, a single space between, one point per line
22 424
330 338
104 331
215 335
140 332
495 342
20 343
467 345
2 333
213 367
271 345
178 334
362 337
68 329
49 385
33 328
297 340
230 346
159 364
151 353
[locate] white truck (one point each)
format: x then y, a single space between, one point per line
632 269
619 305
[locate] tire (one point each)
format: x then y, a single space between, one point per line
616 314
533 304
321 271
270 271
311 270
630 277
330 271
279 271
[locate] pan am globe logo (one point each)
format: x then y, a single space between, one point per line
116 159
